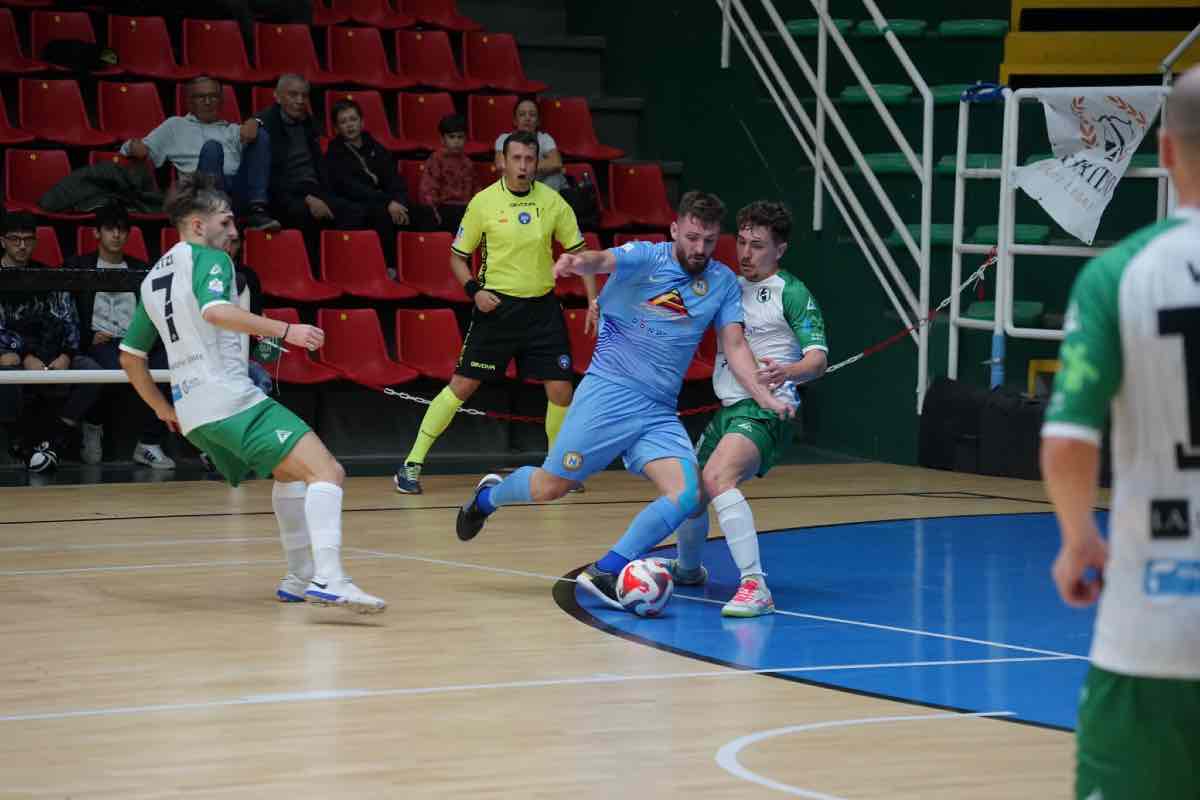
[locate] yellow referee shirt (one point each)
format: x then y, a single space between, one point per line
514 232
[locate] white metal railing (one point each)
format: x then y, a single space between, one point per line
76 376
915 304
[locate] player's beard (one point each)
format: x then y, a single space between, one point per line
689 266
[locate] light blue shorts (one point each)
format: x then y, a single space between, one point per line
607 420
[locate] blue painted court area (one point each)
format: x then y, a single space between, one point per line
971 594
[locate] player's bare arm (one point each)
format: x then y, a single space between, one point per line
589 262
139 376
741 361
233 318
807 369
1071 469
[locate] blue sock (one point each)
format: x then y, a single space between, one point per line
513 489
652 524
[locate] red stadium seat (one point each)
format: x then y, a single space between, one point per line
424 264
488 117
12 56
726 251
376 13
569 121
353 261
573 286
354 346
29 174
297 364
582 344
428 339
47 251
440 14
493 60
53 110
375 119
215 47
8 134
411 170
46 26
358 53
637 191
702 365
324 16
418 116
654 238
87 240
29 3
144 48
129 110
485 174
583 173
426 58
289 48
168 238
281 262
231 110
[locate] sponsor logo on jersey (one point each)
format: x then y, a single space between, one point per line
283 436
627 247
216 285
671 302
812 306
763 295
1172 576
524 218
481 365
1170 519
216 270
572 460
564 362
1077 370
700 286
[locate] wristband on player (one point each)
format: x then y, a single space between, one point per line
471 287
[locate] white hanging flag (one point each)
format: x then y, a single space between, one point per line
1093 135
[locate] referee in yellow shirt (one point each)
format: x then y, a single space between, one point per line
516 313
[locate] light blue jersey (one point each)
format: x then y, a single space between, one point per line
654 315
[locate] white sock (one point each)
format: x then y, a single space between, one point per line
323 510
737 523
691 535
288 501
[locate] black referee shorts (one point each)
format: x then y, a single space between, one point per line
529 329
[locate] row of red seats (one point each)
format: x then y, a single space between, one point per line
428 342
216 48
54 111
637 194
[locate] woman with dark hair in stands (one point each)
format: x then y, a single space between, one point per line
362 171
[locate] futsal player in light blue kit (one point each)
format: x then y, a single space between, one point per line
657 303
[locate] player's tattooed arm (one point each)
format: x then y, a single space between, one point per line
589 262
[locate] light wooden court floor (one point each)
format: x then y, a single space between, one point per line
144 656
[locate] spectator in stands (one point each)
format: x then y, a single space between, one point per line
363 172
301 196
104 319
447 183
550 164
46 328
238 156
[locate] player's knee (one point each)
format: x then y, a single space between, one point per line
463 387
559 392
689 500
331 471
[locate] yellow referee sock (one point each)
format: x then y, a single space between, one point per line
441 412
554 420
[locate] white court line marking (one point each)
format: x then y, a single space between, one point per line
727 756
353 694
50 548
16 573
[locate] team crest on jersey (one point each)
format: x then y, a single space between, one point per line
216 285
763 294
283 436
700 286
572 460
671 302
564 361
524 218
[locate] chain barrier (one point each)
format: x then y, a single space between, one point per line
973 280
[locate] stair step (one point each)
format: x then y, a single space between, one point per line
945 164
1022 234
808 28
941 234
892 94
973 29
903 28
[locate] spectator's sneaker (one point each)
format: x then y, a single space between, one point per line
470 518
407 479
684 577
43 458
600 584
152 455
291 589
91 451
259 220
753 599
344 594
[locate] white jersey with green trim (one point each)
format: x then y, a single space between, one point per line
783 322
209 378
1132 348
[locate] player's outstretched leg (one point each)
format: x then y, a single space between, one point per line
330 586
525 485
287 499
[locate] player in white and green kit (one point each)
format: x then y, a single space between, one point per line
787 336
1132 352
188 300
